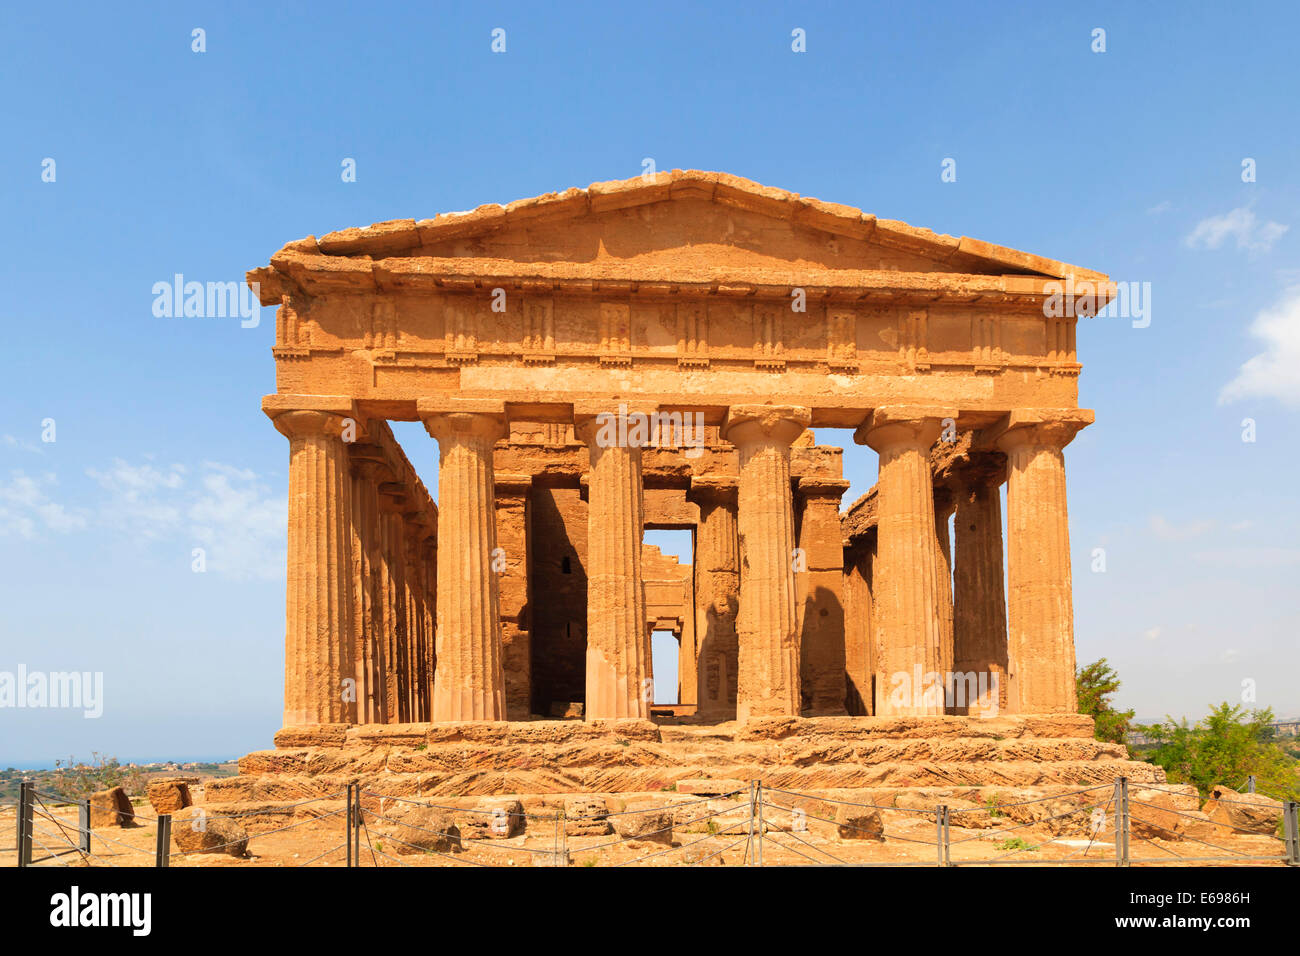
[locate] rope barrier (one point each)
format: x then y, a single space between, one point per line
436 806
680 846
249 839
490 845
703 860
642 836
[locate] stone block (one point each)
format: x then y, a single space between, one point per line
111 808
499 818
194 830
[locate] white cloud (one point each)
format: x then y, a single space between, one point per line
1241 225
224 510
13 442
238 524
1183 531
26 508
1260 557
1275 372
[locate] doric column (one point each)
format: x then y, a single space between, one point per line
618 646
513 493
421 688
820 589
859 634
468 681
979 596
1040 609
430 559
909 675
365 514
318 605
717 593
393 582
768 683
944 506
373 473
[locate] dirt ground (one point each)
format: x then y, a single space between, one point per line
721 840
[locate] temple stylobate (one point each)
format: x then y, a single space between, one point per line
654 353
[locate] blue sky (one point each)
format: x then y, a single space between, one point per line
169 161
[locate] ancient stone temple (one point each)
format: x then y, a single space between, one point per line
656 353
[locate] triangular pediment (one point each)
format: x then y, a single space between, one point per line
681 220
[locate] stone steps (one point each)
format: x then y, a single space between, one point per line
899 775
888 755
903 806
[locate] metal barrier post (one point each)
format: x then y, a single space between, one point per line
749 836
83 825
1291 822
356 831
562 837
940 844
1121 822
1250 784
758 790
26 797
350 822
162 851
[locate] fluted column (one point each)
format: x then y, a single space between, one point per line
820 590
768 682
944 506
364 513
905 593
979 594
394 607
1040 610
372 473
318 605
619 671
468 679
420 689
717 594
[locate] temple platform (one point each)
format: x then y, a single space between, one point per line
879 760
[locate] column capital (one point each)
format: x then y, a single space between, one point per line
309 423
781 424
450 425
1051 427
891 425
713 488
817 486
509 485
630 424
275 405
373 469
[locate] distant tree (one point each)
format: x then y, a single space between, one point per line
1226 747
74 779
1095 684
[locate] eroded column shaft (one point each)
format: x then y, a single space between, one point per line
318 621
468 680
619 673
979 602
768 682
1040 611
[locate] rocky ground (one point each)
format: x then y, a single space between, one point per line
676 830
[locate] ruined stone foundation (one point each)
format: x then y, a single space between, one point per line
872 759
